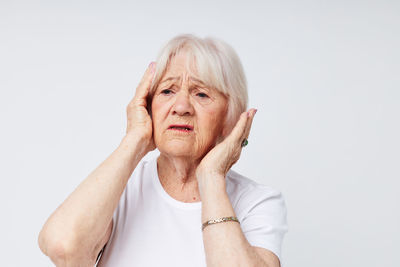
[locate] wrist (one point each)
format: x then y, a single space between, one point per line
204 175
135 144
211 183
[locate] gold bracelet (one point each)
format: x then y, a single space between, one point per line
223 219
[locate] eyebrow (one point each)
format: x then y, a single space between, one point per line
177 78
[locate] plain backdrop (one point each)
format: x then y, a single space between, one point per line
324 76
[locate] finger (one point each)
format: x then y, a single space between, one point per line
251 113
144 86
240 127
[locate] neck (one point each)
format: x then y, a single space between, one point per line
177 176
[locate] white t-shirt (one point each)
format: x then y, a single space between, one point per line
153 229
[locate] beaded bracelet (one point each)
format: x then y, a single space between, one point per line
223 219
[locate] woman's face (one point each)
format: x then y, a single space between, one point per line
188 117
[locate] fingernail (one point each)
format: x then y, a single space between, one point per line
255 111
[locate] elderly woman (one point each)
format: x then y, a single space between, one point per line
185 207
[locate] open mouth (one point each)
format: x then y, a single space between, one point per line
180 127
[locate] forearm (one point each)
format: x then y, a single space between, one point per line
85 215
224 243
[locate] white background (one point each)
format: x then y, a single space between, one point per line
324 76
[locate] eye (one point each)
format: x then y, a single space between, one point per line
166 92
202 95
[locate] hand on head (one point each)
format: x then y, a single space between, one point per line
220 159
217 161
139 125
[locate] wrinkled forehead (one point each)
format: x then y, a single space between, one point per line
185 66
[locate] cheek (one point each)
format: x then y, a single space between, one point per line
213 122
219 120
158 109
157 118
217 114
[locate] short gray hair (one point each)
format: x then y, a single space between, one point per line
218 66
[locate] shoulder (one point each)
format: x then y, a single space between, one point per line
147 163
146 167
241 185
252 199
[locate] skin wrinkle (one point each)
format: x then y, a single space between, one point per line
180 176
171 80
178 163
182 152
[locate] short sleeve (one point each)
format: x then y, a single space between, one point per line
264 223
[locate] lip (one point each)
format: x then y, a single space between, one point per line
181 127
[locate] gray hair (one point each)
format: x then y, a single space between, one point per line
218 66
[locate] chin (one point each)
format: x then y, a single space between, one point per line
178 148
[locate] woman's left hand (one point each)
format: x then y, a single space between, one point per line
220 159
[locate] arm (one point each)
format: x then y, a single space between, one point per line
78 229
225 243
74 231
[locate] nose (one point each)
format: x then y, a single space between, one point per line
182 105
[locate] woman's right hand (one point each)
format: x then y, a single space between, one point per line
139 125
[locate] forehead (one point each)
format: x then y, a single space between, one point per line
175 79
181 66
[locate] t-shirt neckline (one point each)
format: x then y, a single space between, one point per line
160 189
